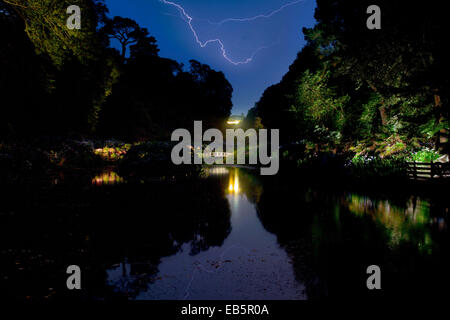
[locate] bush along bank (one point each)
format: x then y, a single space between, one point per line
361 164
45 159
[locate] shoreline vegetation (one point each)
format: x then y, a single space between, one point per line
50 161
354 108
355 102
369 100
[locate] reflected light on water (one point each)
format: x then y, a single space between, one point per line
408 223
233 185
218 171
107 178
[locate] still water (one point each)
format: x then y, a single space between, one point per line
293 242
250 264
229 235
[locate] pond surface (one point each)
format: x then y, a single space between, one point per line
230 235
250 264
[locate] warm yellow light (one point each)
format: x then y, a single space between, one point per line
236 185
233 182
107 178
234 121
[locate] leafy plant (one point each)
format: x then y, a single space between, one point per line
424 155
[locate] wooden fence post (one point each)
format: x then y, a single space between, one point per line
415 170
431 169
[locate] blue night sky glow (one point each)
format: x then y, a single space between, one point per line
260 44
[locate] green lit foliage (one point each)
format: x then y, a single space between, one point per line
374 93
364 166
319 106
76 69
424 155
368 122
46 26
431 128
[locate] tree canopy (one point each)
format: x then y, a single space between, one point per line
58 81
352 88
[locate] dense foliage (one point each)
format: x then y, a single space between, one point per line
367 92
57 81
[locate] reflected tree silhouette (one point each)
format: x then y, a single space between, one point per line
126 226
332 236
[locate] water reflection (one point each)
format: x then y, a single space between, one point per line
249 264
107 178
218 170
231 235
339 234
233 184
409 223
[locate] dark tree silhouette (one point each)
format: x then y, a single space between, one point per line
130 34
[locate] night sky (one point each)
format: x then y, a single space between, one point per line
272 42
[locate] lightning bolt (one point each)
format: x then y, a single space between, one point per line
260 16
188 19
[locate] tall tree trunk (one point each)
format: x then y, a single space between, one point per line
383 115
124 51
